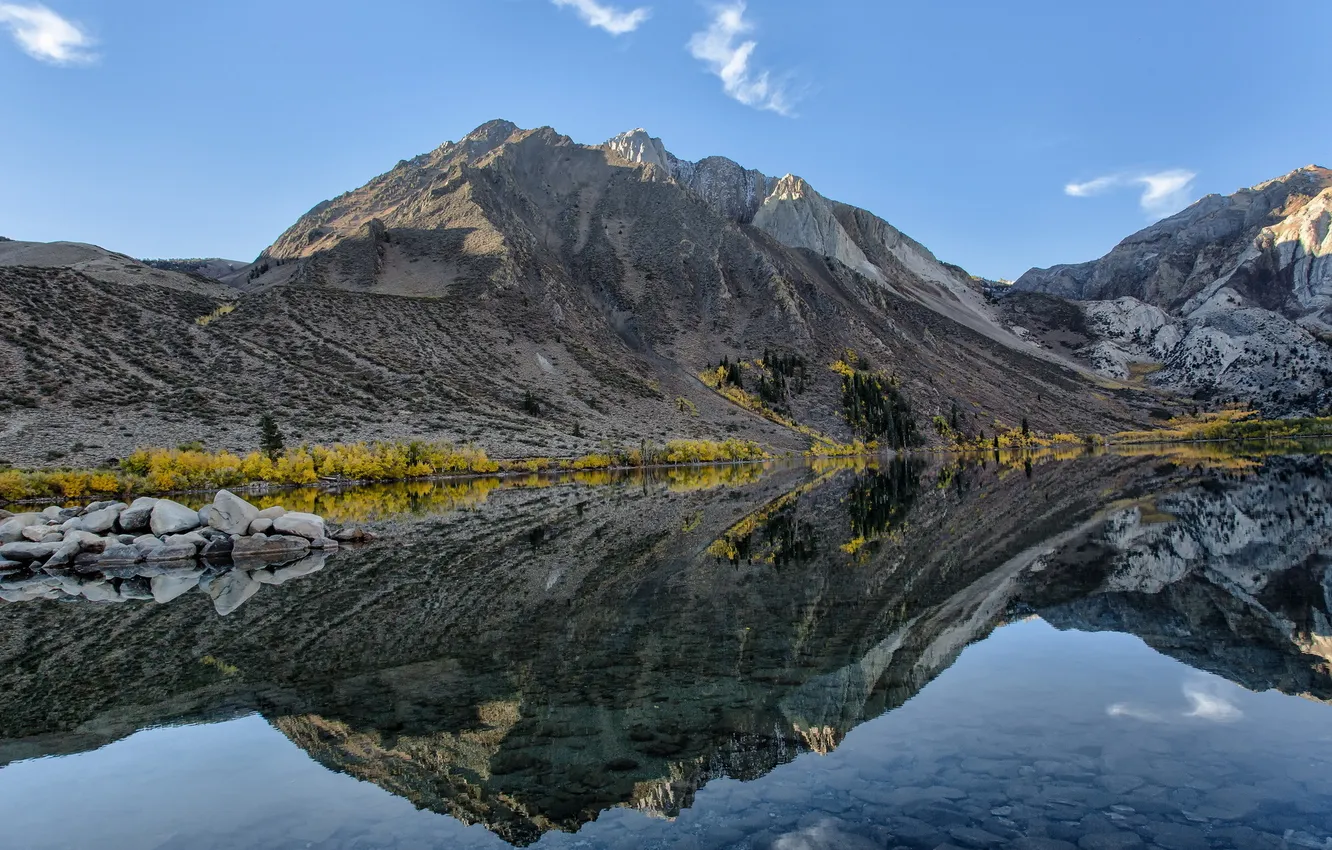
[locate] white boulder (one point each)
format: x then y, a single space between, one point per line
231 513
172 518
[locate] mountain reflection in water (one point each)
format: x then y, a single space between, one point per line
533 658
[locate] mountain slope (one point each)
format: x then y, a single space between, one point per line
537 296
1231 298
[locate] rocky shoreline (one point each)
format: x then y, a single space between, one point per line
158 549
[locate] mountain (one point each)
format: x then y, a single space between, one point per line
213 268
535 296
103 265
1230 298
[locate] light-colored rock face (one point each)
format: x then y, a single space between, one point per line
308 526
170 517
795 215
1226 297
231 513
638 147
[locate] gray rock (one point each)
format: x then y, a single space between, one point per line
261 525
119 553
1032 842
167 552
231 513
970 836
1110 841
272 513
205 515
11 530
148 542
27 552
52 536
65 555
127 539
262 549
137 516
172 518
194 539
351 534
7 566
328 544
1177 836
52 513
36 533
1120 783
309 526
100 521
217 548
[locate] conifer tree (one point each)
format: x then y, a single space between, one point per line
270 436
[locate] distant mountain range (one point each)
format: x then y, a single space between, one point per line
1229 299
538 296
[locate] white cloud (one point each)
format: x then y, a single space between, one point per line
1163 193
1166 192
1091 187
717 48
1209 704
612 20
46 36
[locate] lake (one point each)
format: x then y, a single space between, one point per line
1103 651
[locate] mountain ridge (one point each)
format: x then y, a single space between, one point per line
1231 298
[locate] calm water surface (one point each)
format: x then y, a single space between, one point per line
1095 652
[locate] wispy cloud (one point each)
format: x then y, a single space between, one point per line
1208 703
609 18
45 36
720 49
1163 192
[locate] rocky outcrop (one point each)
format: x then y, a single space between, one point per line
96 552
1231 298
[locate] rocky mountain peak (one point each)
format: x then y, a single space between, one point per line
488 136
638 147
791 188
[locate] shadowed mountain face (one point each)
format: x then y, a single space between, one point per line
551 653
532 295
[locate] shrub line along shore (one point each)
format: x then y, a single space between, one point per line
189 469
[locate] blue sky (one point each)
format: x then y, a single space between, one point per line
1001 135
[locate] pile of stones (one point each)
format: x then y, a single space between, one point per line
109 535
